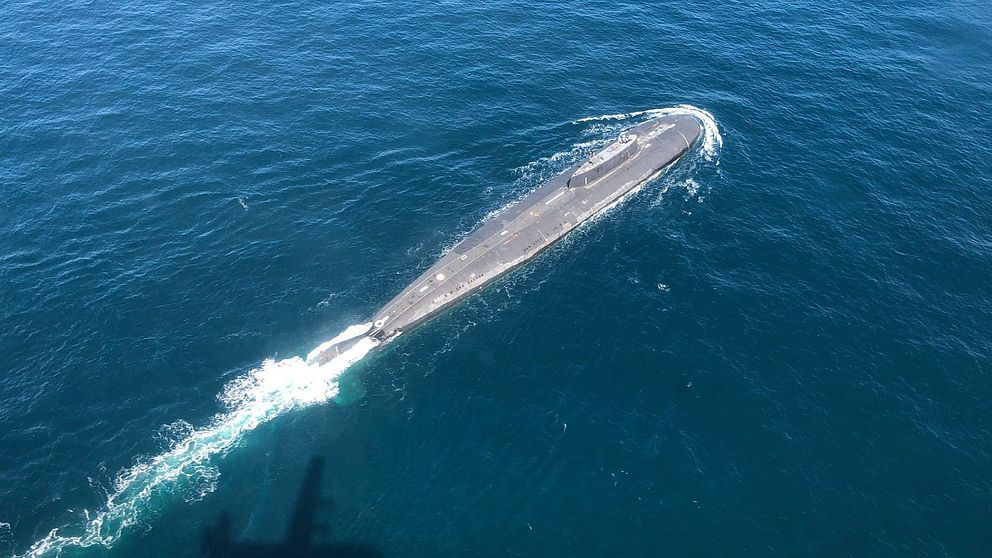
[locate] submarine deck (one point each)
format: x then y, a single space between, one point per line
519 232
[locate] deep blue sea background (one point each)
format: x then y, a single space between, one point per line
780 350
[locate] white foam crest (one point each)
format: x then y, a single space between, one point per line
272 389
712 139
691 187
619 116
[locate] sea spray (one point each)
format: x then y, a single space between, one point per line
272 389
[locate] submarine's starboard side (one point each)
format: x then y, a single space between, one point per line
519 232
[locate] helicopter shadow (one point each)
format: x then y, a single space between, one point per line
305 537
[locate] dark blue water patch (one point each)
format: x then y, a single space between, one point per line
780 352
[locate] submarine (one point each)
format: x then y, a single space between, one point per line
520 231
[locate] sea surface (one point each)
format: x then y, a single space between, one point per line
779 348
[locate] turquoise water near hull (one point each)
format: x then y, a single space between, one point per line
779 348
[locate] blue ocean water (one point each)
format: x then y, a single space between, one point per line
780 348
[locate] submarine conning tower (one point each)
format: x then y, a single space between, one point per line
600 164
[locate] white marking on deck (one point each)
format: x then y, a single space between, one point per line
558 195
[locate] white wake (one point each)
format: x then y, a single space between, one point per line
272 389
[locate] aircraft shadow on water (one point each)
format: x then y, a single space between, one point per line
304 537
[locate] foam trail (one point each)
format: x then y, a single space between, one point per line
259 396
712 140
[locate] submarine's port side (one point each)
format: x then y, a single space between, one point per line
535 222
600 164
521 231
